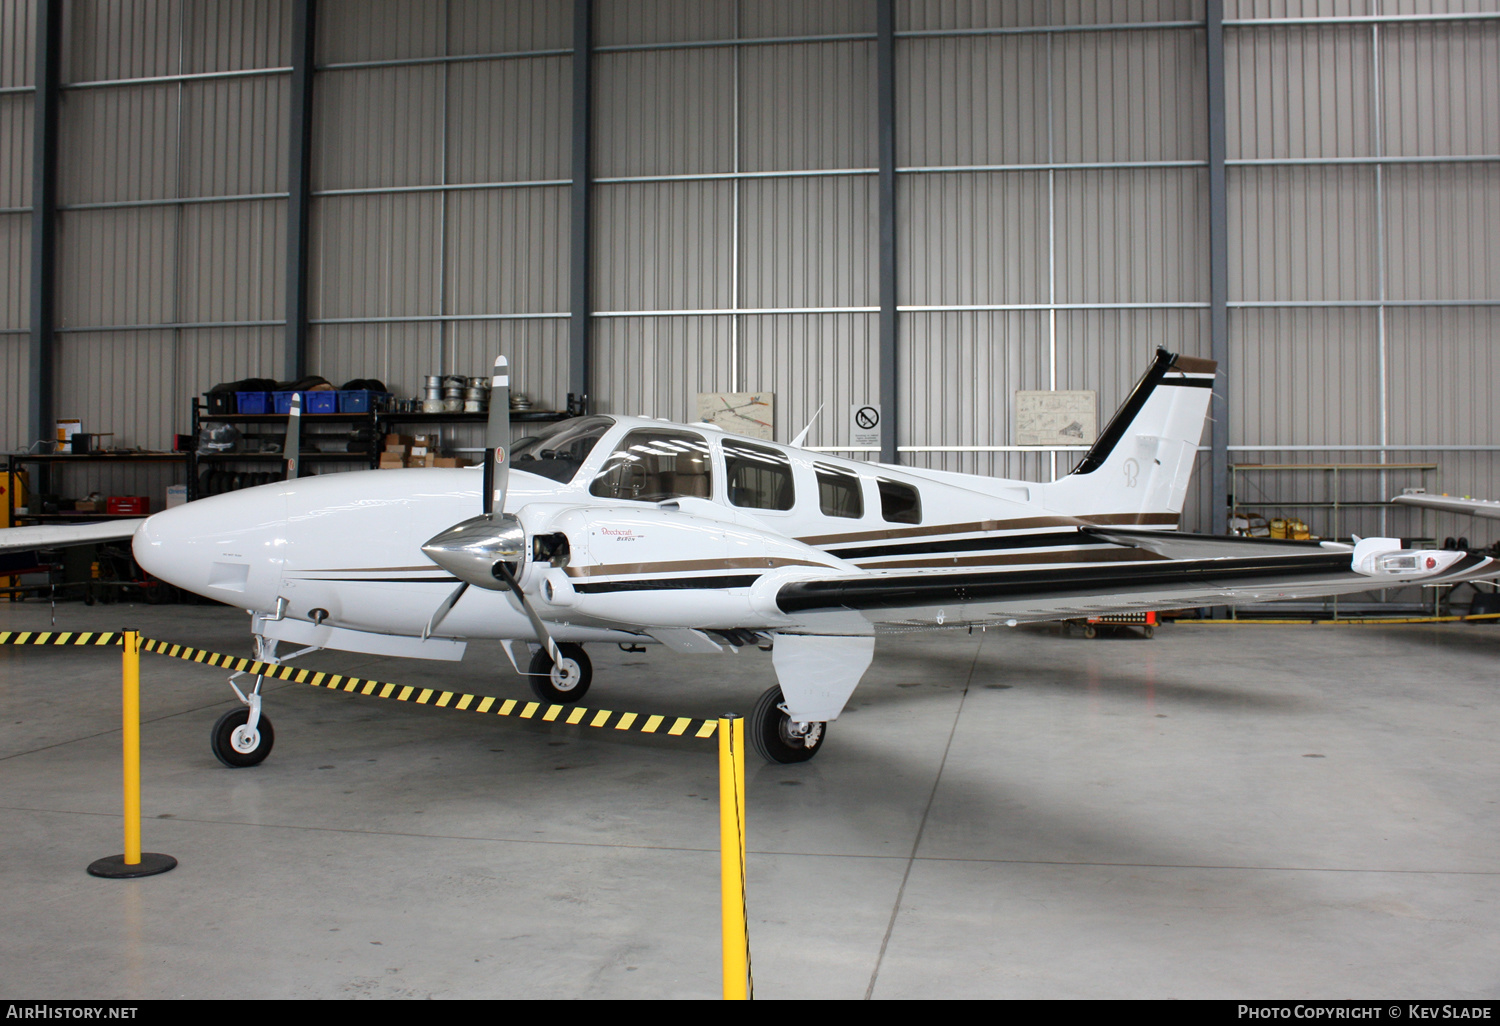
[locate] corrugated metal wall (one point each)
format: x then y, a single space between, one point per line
17 61
1051 201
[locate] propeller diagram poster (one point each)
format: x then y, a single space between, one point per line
1056 418
742 413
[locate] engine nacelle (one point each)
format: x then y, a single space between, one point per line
665 567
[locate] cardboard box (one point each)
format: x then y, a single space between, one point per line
397 441
418 450
176 495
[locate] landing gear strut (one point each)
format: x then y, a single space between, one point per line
562 683
779 738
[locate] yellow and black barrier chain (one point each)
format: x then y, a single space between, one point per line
640 723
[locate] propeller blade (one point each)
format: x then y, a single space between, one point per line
503 571
497 439
444 609
291 446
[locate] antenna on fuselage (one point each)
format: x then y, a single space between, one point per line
802 435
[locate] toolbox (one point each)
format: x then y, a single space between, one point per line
137 505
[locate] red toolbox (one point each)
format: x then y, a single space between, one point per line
135 505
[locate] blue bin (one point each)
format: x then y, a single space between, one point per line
322 401
361 400
253 402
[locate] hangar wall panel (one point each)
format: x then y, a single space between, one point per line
121 381
1132 236
16 130
232 261
663 246
626 22
1441 89
663 112
1303 233
509 26
15 351
507 120
771 18
234 137
1441 223
809 242
971 238
378 127
374 256
109 39
506 251
959 374
971 100
17 42
808 105
809 360
1299 92
372 30
117 266
656 366
1129 96
537 351
926 15
400 354
207 356
118 144
15 283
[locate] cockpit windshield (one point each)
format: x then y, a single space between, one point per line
558 450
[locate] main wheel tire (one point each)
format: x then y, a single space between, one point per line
563 684
235 752
771 732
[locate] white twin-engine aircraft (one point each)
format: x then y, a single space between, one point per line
631 530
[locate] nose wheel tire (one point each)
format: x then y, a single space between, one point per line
236 745
564 683
776 737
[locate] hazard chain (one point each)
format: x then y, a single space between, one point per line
642 723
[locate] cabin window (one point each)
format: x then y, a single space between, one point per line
656 464
838 492
899 503
557 451
759 477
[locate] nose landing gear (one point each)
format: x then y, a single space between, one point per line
565 681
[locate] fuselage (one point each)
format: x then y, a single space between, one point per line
664 525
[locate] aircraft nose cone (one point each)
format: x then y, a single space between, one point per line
470 550
227 547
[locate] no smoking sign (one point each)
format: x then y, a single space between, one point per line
864 424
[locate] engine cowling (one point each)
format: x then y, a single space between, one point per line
665 567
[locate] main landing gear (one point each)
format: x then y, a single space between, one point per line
562 683
779 738
237 744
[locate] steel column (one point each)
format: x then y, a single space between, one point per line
885 60
1218 268
299 186
49 15
578 326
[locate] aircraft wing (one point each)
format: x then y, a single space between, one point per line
1451 504
56 536
1183 570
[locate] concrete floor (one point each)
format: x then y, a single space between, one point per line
1221 812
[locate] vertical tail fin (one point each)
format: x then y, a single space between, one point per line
1139 468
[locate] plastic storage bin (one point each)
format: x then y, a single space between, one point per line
254 402
361 401
322 401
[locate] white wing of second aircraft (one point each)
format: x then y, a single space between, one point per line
1452 504
56 536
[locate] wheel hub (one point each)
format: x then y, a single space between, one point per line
244 739
565 675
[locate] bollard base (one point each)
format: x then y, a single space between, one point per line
114 866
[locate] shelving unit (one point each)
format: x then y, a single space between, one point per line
1334 479
258 467
42 483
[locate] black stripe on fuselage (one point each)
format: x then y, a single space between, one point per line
666 584
894 592
1056 539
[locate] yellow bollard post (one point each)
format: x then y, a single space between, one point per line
133 862
736 940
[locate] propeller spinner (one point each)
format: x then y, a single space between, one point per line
487 550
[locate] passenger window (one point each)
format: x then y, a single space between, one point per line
838 492
759 477
655 464
899 503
